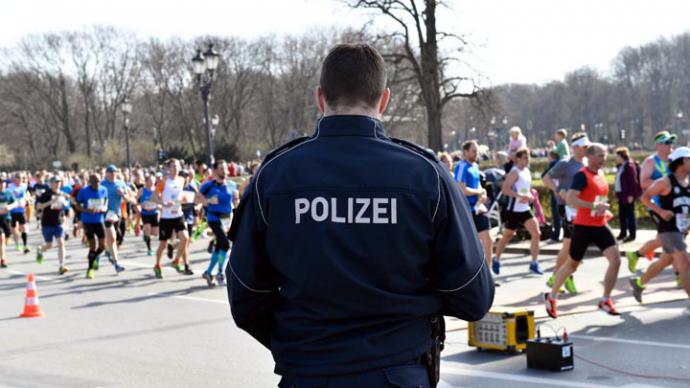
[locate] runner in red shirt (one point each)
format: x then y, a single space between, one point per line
589 194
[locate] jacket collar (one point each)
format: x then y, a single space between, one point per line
349 125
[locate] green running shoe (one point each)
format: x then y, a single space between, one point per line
63 269
632 260
637 288
570 285
177 266
550 281
158 272
39 256
96 263
90 274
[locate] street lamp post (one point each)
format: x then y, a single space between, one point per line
126 110
204 67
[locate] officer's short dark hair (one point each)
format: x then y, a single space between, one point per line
353 74
468 144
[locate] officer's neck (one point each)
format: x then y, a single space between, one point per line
351 111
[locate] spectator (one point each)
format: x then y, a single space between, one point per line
562 144
517 141
628 190
446 159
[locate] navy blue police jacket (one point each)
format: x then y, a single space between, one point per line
345 243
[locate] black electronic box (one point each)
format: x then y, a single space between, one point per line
552 354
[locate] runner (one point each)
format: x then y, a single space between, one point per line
52 203
79 182
117 191
92 203
467 174
37 189
7 202
168 194
189 209
517 187
672 208
218 196
653 167
588 194
149 212
18 213
559 179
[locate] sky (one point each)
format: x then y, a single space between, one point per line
511 41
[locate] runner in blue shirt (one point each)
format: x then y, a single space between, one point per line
218 195
18 214
92 203
117 191
149 212
7 202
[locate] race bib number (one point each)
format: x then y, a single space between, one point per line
110 216
225 221
570 213
96 203
148 205
59 203
682 221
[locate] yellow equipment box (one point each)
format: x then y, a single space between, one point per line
502 331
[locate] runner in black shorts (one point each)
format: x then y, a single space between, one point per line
6 203
601 236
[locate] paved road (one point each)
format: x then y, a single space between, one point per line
132 330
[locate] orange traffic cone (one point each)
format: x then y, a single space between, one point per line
31 307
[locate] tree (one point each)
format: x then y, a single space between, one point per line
419 38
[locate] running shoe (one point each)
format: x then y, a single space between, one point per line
176 264
632 257
97 263
149 252
3 264
570 285
110 257
158 272
187 270
496 265
551 280
90 274
119 268
170 251
608 307
26 249
551 305
534 268
209 279
637 288
39 256
197 234
220 279
63 269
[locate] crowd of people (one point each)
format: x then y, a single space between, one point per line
580 207
176 203
173 203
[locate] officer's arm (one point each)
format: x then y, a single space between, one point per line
460 275
251 286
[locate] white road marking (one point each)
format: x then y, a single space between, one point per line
189 298
24 273
633 342
451 368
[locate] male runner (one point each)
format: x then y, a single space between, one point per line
168 194
653 167
18 213
149 212
117 191
52 203
559 179
92 203
467 174
218 196
588 193
7 202
672 209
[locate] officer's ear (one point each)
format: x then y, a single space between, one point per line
320 100
385 99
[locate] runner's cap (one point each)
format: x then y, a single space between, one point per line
678 153
664 137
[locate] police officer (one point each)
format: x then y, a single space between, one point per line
347 244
